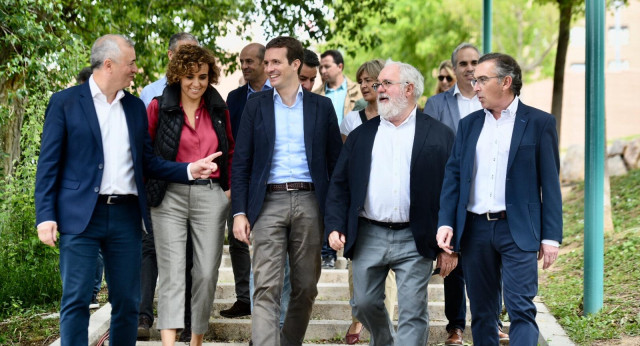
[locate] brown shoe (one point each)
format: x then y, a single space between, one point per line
504 337
455 337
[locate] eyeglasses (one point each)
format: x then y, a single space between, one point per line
482 80
386 84
448 78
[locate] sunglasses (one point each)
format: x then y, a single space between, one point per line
449 78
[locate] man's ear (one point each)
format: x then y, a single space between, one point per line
341 67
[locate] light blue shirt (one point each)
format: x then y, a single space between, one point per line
337 97
266 86
152 90
289 162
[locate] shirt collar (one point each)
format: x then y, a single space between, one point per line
265 86
457 92
96 93
410 119
277 98
342 86
509 112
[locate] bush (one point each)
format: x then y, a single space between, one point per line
29 275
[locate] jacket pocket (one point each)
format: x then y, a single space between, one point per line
70 184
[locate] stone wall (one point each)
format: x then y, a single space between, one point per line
622 156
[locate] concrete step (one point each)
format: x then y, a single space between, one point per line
340 310
327 291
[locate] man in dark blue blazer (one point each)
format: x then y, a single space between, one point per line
287 147
94 154
252 64
501 205
382 207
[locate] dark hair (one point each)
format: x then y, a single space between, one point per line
188 58
84 75
337 57
293 46
181 36
506 66
311 58
461 46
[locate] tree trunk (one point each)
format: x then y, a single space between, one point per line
561 58
11 126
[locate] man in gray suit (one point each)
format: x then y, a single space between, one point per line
450 107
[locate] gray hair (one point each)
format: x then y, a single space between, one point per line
107 47
411 75
181 36
461 46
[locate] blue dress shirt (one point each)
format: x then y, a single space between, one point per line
152 90
289 163
337 97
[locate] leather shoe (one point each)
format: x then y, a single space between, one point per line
353 338
238 309
504 337
144 324
455 337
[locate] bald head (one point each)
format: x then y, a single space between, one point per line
251 62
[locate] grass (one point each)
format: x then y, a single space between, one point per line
561 287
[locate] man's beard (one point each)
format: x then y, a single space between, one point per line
392 110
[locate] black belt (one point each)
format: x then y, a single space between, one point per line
390 225
204 181
501 215
296 186
117 199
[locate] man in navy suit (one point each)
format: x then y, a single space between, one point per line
89 186
252 64
501 206
382 207
287 147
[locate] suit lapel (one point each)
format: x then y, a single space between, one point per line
422 128
86 100
309 110
476 128
452 103
268 118
129 114
518 131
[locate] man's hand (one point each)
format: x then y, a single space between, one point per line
47 232
549 253
242 229
203 168
447 263
444 236
337 240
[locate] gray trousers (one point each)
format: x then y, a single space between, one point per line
289 223
377 250
205 208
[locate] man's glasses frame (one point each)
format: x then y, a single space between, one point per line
386 84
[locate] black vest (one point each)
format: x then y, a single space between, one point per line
169 130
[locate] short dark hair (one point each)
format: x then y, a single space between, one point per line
311 58
181 36
337 57
188 58
506 66
84 75
293 46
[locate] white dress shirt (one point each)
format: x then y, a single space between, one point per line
118 177
388 194
466 106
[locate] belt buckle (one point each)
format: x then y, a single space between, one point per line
109 199
286 185
490 219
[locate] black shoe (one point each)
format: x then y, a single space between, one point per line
238 309
328 263
185 335
144 324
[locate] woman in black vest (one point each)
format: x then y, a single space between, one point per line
189 120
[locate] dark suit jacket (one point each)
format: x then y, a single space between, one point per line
444 107
235 101
255 144
348 189
532 176
71 159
